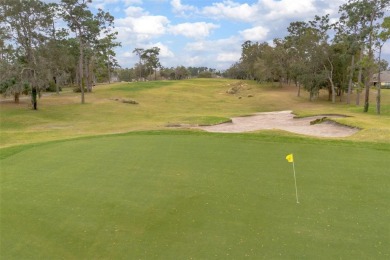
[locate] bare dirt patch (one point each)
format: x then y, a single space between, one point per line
284 120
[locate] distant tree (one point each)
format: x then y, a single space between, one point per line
139 52
249 54
280 60
106 43
28 23
295 44
205 74
80 21
349 32
58 54
322 26
88 28
341 60
236 71
167 73
126 74
195 71
181 72
384 64
310 58
369 11
105 47
151 60
307 43
265 67
383 36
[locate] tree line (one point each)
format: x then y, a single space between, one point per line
338 56
35 55
150 68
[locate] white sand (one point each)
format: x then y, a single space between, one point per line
283 120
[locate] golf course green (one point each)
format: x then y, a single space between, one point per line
101 192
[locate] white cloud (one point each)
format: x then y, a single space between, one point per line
232 10
266 10
128 54
283 9
111 5
131 2
101 4
135 11
181 9
332 6
128 58
195 61
228 56
257 33
193 30
271 43
165 52
219 54
215 46
196 46
141 28
150 24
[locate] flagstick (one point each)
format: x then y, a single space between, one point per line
295 179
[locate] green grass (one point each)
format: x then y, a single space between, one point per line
107 180
166 195
134 87
202 120
162 103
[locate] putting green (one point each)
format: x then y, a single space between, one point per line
197 196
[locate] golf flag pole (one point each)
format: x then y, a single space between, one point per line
290 159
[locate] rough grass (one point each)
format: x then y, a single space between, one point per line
200 101
175 195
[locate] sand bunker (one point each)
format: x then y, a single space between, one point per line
283 120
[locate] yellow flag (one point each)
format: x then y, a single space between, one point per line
290 158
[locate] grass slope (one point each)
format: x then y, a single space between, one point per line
198 101
194 196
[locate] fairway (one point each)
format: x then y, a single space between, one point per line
183 195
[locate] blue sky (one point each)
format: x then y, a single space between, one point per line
206 32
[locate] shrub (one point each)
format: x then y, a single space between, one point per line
130 101
52 87
77 89
205 74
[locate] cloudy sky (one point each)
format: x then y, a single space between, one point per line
206 32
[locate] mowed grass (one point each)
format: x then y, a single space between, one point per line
167 103
175 195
